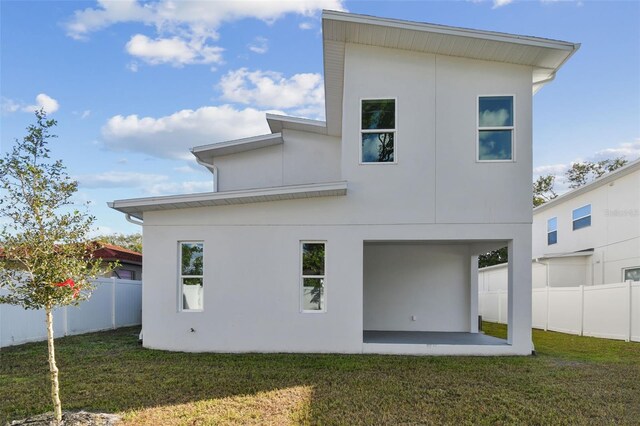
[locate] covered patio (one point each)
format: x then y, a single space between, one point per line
421 297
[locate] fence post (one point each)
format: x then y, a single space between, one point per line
629 311
65 320
581 310
546 320
113 302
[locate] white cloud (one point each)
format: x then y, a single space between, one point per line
115 179
260 45
147 183
500 3
268 89
629 150
306 26
9 105
132 66
184 28
43 101
171 136
175 51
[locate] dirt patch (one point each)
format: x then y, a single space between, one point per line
81 418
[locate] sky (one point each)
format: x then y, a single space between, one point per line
134 85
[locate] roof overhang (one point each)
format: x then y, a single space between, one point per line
277 123
208 152
137 206
545 56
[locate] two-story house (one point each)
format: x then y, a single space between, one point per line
590 235
360 234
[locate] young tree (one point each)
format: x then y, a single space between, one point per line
579 174
543 190
46 260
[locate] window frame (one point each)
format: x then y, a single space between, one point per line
302 277
555 230
573 221
624 272
512 128
362 131
180 276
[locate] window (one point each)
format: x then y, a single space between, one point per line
552 231
125 274
632 274
582 217
191 275
495 128
378 131
313 277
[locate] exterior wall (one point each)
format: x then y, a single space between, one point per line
436 139
252 276
430 282
614 233
436 192
303 158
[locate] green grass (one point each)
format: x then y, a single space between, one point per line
572 380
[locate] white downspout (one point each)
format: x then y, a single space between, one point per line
132 220
214 170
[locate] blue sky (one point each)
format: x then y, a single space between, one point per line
134 85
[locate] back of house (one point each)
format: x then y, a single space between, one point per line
361 233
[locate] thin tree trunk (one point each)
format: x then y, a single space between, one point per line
53 369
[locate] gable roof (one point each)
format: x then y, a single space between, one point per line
545 56
111 252
632 167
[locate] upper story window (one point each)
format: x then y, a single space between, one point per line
191 275
552 231
378 131
582 217
495 128
313 277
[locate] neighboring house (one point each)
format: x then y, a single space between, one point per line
129 261
361 233
588 236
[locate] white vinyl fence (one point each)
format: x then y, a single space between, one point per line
611 311
114 303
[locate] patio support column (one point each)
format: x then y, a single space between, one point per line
519 293
473 295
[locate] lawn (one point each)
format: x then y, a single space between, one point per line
572 380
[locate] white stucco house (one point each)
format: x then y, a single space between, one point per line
588 236
360 234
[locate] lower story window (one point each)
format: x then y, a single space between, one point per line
632 274
313 276
191 275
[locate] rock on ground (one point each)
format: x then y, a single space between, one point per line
81 418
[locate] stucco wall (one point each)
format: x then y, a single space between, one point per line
430 282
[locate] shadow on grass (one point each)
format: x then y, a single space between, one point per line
110 372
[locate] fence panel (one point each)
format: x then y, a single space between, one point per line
565 310
606 311
611 310
93 314
539 308
128 303
19 325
